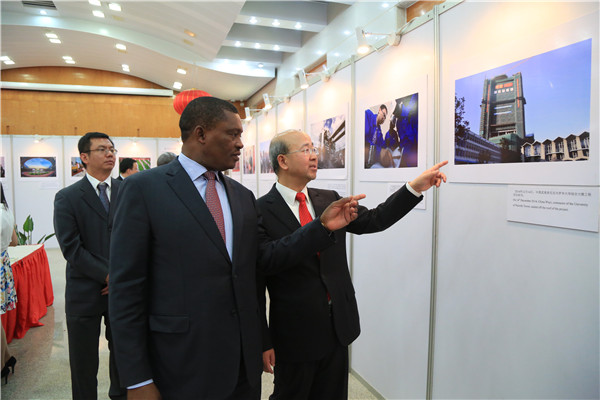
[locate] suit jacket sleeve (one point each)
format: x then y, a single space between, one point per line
385 214
67 229
129 281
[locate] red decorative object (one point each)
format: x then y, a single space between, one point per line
183 98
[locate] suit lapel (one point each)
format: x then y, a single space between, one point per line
114 192
91 198
237 214
184 188
280 210
318 202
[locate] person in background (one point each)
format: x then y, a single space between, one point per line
313 312
127 167
8 293
83 217
165 158
185 247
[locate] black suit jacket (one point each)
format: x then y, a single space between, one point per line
182 312
82 229
300 327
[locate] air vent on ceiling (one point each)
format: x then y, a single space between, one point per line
40 4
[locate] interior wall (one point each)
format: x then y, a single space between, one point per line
26 112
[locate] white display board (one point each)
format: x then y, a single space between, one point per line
517 310
248 160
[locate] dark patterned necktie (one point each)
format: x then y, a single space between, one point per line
102 186
305 216
214 203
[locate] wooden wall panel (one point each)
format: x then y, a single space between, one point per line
420 8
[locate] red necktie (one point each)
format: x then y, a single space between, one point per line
213 203
305 217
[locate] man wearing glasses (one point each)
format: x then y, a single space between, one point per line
313 312
83 214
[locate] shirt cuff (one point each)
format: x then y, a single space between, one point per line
149 381
413 191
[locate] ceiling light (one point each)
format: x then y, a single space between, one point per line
67 58
181 71
51 35
238 43
95 2
303 81
276 23
247 112
363 46
4 58
385 5
177 85
253 20
98 13
189 33
260 65
55 41
125 67
70 61
257 45
298 25
9 62
320 52
276 47
43 12
347 32
114 6
121 47
268 105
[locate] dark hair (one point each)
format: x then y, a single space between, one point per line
383 107
85 143
203 111
125 164
3 197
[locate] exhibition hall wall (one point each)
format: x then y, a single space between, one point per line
489 288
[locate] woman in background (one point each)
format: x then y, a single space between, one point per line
8 294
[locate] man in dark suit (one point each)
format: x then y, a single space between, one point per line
127 167
83 215
313 312
184 253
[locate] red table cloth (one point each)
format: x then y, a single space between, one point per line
34 290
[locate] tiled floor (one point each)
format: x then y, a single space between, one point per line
42 369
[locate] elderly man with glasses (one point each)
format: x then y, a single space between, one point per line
83 215
313 312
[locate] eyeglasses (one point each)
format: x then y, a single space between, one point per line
104 150
306 151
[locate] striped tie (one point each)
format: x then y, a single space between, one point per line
213 203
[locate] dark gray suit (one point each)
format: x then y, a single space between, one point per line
183 313
82 228
302 327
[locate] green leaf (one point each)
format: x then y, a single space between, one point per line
28 224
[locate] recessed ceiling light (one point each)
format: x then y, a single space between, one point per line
121 47
70 61
67 58
125 67
257 45
114 6
181 71
298 25
55 41
9 62
347 32
275 23
238 43
50 35
4 58
253 20
43 12
320 52
276 47
385 5
95 2
336 54
177 85
98 13
189 33
260 65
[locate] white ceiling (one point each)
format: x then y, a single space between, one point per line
222 58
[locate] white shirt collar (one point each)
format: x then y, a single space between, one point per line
193 169
289 195
95 181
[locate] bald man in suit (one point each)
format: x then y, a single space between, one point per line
313 312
